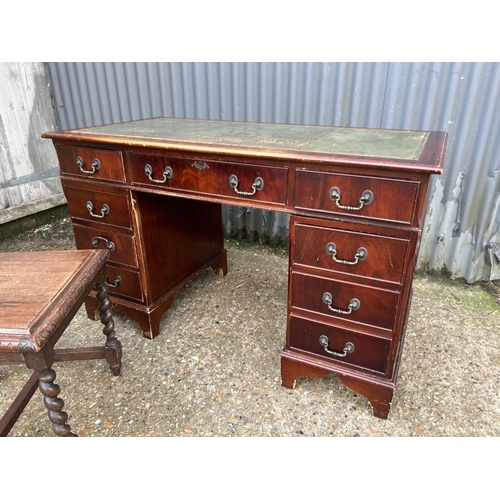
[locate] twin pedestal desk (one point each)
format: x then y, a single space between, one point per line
151 190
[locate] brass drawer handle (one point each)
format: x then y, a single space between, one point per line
104 210
167 174
366 199
361 254
116 282
257 185
354 304
109 244
96 165
348 348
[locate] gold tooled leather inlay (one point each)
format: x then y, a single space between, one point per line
391 144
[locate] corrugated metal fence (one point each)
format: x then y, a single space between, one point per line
462 234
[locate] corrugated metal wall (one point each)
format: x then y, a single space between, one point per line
29 180
462 234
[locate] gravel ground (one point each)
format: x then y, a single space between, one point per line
215 368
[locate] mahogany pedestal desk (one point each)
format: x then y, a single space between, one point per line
40 292
151 191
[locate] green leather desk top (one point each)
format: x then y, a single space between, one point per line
390 144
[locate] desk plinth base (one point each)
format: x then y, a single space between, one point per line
377 390
148 316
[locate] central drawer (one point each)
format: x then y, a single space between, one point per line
226 179
350 302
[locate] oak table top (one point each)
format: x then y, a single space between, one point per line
34 287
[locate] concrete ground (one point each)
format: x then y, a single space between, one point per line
215 368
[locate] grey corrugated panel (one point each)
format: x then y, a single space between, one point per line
470 185
460 98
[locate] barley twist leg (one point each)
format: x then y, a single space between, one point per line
54 404
112 347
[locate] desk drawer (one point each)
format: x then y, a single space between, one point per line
350 252
124 282
358 196
91 163
247 182
121 246
162 172
369 352
86 203
351 302
231 180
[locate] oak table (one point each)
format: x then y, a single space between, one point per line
40 292
150 191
